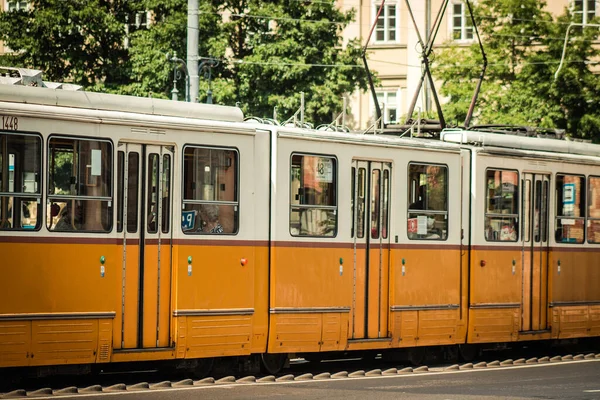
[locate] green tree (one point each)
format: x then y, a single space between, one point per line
78 40
523 46
281 48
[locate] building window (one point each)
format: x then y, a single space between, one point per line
386 29
20 184
388 101
502 206
210 191
13 5
428 202
79 185
583 10
313 199
462 26
593 225
570 209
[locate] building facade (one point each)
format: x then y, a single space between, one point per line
394 51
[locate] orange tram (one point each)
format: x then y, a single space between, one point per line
145 230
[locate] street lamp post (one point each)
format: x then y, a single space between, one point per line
178 64
206 67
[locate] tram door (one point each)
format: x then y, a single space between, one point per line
145 223
370 233
534 303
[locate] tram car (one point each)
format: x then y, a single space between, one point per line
145 230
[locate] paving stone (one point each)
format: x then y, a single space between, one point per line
590 356
374 372
520 361
91 389
453 367
556 359
116 387
507 362
340 375
40 392
532 360
405 370
494 364
247 379
205 381
15 393
161 385
482 364
226 380
288 377
579 357
304 377
139 386
67 390
390 371
544 359
264 379
324 375
423 368
568 357
183 382
467 366
356 374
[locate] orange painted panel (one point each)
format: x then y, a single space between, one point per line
64 341
58 278
493 325
260 319
579 277
218 280
15 343
150 297
432 277
358 307
132 272
437 327
214 336
495 282
296 332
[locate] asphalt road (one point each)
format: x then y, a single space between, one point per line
565 380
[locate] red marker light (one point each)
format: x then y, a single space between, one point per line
243 261
482 263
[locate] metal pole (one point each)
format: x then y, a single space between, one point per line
192 50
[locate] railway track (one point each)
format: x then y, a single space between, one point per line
298 370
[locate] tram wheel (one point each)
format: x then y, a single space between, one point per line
201 368
468 352
273 363
416 355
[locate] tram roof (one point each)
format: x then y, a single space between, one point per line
120 103
485 139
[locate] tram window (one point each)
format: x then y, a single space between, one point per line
593 225
502 210
362 184
375 202
386 204
210 191
428 202
570 209
152 206
79 185
313 200
120 189
133 185
20 184
166 193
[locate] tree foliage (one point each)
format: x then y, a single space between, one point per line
523 44
268 52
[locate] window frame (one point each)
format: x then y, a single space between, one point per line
64 198
465 18
558 217
237 190
432 212
17 7
587 208
519 205
585 12
386 18
336 188
39 196
385 106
